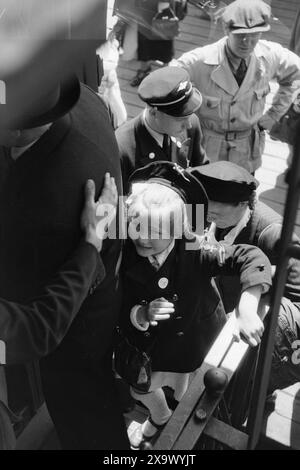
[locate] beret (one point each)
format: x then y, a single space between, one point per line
225 181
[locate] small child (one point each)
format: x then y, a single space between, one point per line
172 308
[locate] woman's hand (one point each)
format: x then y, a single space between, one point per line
97 215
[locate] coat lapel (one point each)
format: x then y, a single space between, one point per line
222 74
223 77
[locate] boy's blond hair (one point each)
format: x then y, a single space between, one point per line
163 206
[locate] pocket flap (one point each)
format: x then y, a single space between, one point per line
211 101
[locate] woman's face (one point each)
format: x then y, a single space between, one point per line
225 215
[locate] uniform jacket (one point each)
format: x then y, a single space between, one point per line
138 148
181 343
35 329
227 107
263 230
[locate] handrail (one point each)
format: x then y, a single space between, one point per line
188 423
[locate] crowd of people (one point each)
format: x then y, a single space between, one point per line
71 293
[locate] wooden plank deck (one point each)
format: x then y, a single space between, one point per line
197 31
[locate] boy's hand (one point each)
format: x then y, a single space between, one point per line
250 327
97 216
158 310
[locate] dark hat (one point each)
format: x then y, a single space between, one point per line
47 108
247 16
170 90
225 181
175 177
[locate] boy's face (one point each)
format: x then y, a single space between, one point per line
148 247
149 238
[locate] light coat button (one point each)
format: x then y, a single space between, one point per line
163 282
151 155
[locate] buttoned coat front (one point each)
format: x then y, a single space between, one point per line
181 343
227 107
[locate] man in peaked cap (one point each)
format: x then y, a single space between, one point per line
241 219
233 76
167 129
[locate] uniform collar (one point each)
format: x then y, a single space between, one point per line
236 230
222 74
234 60
158 260
156 135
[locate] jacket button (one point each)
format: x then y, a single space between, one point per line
180 333
233 120
151 155
147 334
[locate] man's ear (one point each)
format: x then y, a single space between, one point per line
226 29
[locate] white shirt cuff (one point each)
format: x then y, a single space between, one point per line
142 326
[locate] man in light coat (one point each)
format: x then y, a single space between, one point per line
233 76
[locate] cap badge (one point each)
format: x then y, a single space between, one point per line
180 170
182 86
163 282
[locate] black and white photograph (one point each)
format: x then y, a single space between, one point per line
149 228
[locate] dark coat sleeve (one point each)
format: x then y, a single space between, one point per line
249 262
35 329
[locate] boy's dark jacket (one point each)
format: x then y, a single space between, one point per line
181 343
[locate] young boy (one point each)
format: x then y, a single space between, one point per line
172 309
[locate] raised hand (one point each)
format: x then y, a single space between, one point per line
97 215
